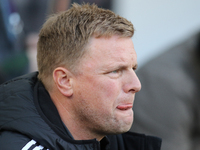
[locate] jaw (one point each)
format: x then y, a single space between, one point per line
123 120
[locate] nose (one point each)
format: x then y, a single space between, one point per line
132 83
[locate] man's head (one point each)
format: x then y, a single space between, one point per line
64 36
89 55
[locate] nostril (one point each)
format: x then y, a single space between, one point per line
136 86
136 89
132 90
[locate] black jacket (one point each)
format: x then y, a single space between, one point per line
28 118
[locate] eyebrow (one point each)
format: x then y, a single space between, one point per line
126 66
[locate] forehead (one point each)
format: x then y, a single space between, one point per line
109 53
114 47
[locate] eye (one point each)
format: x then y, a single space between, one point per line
135 67
115 73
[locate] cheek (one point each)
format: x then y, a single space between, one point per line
108 93
111 89
100 92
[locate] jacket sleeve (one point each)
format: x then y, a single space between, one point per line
15 141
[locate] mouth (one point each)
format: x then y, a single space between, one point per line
124 106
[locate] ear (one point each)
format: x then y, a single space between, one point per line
63 80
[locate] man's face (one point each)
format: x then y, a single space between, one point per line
104 90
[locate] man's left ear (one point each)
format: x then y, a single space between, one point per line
63 80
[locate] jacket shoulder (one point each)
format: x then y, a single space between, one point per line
15 141
12 140
18 85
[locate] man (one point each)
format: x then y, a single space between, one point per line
82 97
171 84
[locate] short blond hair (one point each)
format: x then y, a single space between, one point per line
64 36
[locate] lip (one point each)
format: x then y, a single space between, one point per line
124 106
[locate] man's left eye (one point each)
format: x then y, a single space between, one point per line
115 71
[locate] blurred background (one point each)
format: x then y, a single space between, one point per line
159 24
166 40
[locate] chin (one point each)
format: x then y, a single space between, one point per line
122 129
125 127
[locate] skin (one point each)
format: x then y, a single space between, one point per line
98 100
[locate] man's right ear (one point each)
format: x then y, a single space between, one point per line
63 80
